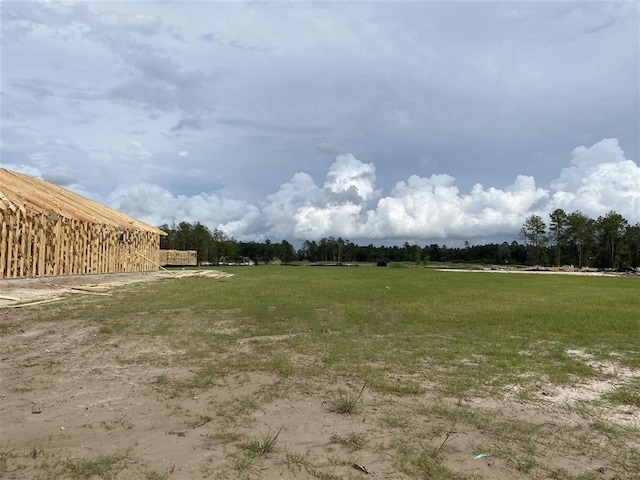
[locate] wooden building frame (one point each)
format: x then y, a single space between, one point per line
47 230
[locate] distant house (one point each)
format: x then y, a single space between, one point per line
48 230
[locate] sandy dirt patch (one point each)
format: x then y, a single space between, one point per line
16 292
534 272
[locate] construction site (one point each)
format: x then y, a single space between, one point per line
47 230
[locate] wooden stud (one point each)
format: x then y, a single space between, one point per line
46 230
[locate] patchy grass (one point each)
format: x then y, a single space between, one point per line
419 461
346 402
628 395
352 440
262 445
298 460
103 467
394 421
427 344
254 448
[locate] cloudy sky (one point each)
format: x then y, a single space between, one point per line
382 121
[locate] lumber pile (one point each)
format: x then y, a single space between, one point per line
178 257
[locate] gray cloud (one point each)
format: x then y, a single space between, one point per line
327 149
424 91
60 177
31 88
187 124
207 37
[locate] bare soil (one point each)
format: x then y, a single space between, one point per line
66 394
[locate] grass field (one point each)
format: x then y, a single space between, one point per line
536 375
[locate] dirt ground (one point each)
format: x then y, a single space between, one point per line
67 395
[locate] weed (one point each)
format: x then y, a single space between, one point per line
353 440
437 451
205 378
337 461
626 395
420 461
161 380
262 445
298 460
155 475
399 387
228 437
347 402
243 406
526 464
200 421
117 423
395 421
4 456
325 476
105 467
243 462
282 365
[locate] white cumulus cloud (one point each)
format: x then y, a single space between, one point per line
158 206
599 178
350 181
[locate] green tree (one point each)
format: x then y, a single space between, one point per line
268 252
218 238
309 251
167 241
287 253
558 232
632 239
503 254
579 234
202 242
610 230
417 254
184 236
533 233
230 250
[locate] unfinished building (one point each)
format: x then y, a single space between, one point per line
47 230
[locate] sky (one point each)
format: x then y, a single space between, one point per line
372 121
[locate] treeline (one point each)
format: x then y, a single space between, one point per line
568 239
214 246
608 241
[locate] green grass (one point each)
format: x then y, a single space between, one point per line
298 460
393 329
101 467
346 402
422 462
262 445
254 448
402 332
629 395
420 308
394 421
21 464
353 440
